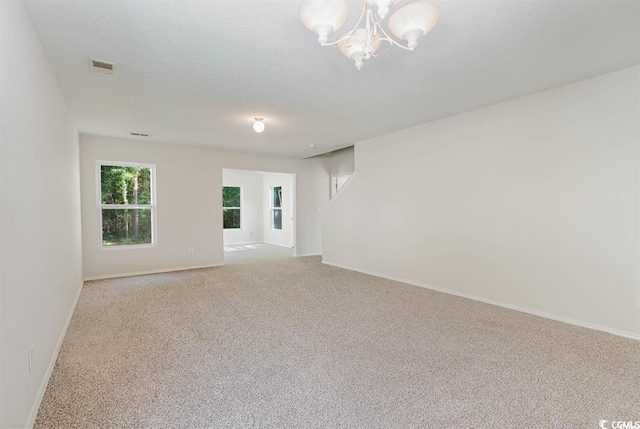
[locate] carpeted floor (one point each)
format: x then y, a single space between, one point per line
292 343
239 253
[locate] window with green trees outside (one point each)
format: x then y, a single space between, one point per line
231 200
126 204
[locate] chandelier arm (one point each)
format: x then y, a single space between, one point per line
392 40
380 40
364 9
374 22
357 39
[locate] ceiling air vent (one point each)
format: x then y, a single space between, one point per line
139 134
101 67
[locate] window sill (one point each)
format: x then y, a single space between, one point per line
129 246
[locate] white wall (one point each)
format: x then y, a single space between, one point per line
40 223
341 161
340 165
530 203
251 213
280 237
189 188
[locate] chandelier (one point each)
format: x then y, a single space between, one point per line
408 24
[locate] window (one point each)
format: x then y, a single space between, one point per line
276 207
127 207
231 198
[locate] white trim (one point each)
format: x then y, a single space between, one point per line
240 243
310 254
538 313
126 164
142 273
52 363
129 246
127 206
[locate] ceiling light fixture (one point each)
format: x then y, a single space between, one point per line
408 23
258 125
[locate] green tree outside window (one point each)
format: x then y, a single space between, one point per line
231 201
126 205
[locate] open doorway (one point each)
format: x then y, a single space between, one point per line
258 215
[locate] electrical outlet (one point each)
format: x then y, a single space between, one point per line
191 252
31 357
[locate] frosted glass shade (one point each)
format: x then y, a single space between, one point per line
258 126
324 16
414 20
382 6
356 44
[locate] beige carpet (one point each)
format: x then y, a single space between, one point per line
291 343
252 251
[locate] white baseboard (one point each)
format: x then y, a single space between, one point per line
241 243
309 254
555 317
52 363
142 273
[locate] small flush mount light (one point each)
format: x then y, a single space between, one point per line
312 146
258 125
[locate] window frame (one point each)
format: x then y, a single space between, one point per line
274 208
153 206
238 208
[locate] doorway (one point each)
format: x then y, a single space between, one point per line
258 215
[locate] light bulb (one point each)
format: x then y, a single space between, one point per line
258 125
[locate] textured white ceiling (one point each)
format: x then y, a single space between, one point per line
197 71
